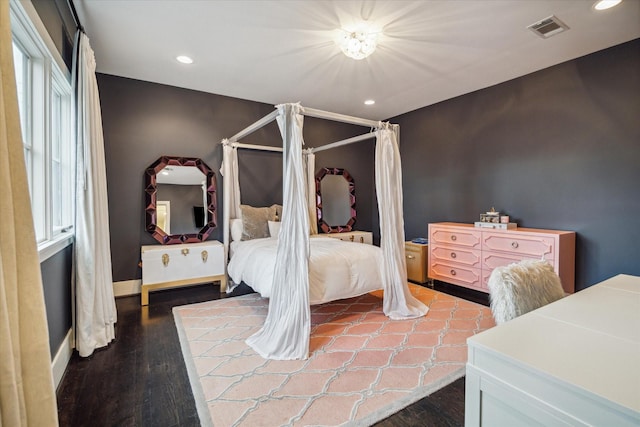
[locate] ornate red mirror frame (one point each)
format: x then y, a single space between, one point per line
322 224
151 192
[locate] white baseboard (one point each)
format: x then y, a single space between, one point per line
126 287
62 357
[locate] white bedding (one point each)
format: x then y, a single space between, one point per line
337 269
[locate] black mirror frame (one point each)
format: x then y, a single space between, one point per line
151 193
322 225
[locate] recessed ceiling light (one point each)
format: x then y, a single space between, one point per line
184 59
369 102
606 4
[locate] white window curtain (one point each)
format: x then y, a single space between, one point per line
310 176
285 333
398 301
95 304
27 395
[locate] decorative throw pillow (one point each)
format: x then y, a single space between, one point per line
254 221
236 229
274 228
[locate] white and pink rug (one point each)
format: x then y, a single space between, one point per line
362 366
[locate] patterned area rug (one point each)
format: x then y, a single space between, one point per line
362 366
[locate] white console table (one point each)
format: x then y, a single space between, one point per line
573 362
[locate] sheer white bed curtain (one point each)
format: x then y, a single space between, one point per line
95 303
286 330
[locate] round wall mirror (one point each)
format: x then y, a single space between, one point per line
335 200
180 200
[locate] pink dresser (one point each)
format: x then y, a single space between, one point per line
465 255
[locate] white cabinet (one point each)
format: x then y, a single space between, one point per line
351 236
181 265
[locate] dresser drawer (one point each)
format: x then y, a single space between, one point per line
527 245
458 275
454 255
491 260
467 238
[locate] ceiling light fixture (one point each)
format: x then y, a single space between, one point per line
358 44
369 102
184 59
606 4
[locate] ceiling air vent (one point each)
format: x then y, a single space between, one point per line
548 27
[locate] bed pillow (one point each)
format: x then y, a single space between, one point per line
236 229
274 228
255 221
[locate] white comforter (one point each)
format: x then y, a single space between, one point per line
337 269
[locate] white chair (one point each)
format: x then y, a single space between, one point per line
520 287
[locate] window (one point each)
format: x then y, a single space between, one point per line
45 103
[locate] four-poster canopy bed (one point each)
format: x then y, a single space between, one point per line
285 333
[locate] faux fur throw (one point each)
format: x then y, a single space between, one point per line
521 287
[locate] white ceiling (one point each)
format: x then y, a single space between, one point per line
283 51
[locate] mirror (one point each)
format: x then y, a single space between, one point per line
180 200
335 200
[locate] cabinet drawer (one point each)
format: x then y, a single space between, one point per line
454 255
455 237
524 245
181 262
458 275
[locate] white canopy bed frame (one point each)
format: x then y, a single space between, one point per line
285 333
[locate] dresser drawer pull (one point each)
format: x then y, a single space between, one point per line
204 255
514 245
185 251
454 238
410 257
165 259
361 239
351 237
453 255
453 272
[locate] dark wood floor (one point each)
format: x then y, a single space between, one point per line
141 379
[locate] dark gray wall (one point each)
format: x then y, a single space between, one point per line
56 278
557 149
58 20
143 121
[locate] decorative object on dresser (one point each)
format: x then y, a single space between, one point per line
180 196
187 264
521 287
493 219
465 255
335 200
350 236
417 256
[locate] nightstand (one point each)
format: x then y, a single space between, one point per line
417 259
351 236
